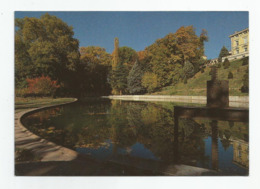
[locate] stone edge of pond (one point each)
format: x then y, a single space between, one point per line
41 148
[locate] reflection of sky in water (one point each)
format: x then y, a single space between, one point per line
225 157
142 131
107 152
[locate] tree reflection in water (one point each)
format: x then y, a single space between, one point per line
141 129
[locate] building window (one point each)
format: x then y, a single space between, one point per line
245 49
245 40
237 43
237 51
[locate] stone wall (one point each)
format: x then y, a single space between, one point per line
234 101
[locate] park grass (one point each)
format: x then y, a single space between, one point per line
196 86
27 103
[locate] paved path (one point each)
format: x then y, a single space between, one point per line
43 149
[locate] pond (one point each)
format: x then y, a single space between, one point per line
143 132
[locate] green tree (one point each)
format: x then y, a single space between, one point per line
188 70
127 56
223 52
118 79
45 46
95 64
134 79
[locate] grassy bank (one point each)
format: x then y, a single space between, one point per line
27 103
197 84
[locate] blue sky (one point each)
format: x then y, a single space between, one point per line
140 29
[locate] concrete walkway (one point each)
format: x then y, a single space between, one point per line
43 149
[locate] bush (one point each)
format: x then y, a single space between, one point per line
245 87
226 63
245 61
230 75
185 80
202 70
41 86
218 65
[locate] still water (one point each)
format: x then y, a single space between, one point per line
144 131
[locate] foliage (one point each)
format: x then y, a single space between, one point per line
123 60
230 75
45 46
185 80
118 79
188 70
245 61
197 85
218 65
127 56
223 52
245 86
150 81
226 63
92 74
166 57
42 86
134 79
115 54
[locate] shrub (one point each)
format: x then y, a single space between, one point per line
226 63
41 86
202 70
230 75
245 61
185 80
245 87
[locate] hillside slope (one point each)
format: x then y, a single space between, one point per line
197 84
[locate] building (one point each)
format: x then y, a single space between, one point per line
240 154
239 45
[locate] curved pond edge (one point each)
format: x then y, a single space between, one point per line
42 148
48 151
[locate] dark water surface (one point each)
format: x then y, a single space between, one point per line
144 131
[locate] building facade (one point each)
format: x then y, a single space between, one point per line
239 45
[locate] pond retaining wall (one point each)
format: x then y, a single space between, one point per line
234 101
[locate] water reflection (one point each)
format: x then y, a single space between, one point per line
125 130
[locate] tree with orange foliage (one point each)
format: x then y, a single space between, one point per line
42 86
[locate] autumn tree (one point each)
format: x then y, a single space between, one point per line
115 54
150 81
223 52
41 86
167 56
45 46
